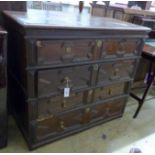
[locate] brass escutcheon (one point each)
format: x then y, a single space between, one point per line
99 43
68 49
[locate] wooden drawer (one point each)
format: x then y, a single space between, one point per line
110 91
55 125
112 48
58 104
114 71
54 81
109 109
64 51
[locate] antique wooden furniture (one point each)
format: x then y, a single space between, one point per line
3 89
118 11
146 21
149 54
13 5
112 10
69 72
143 68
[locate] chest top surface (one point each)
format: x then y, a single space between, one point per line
62 20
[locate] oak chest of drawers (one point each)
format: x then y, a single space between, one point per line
69 72
3 89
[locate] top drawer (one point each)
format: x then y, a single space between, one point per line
64 51
48 52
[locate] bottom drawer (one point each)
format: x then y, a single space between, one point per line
53 126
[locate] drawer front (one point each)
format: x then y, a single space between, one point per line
58 104
120 48
56 125
64 51
110 91
53 126
109 110
54 81
116 71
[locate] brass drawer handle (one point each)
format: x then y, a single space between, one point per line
63 104
87 110
44 118
95 67
110 91
39 44
67 81
67 78
115 73
90 92
62 125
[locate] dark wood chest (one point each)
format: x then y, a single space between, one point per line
3 89
69 72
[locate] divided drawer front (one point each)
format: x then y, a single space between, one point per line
58 104
116 71
120 48
110 91
54 81
55 125
64 51
50 52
